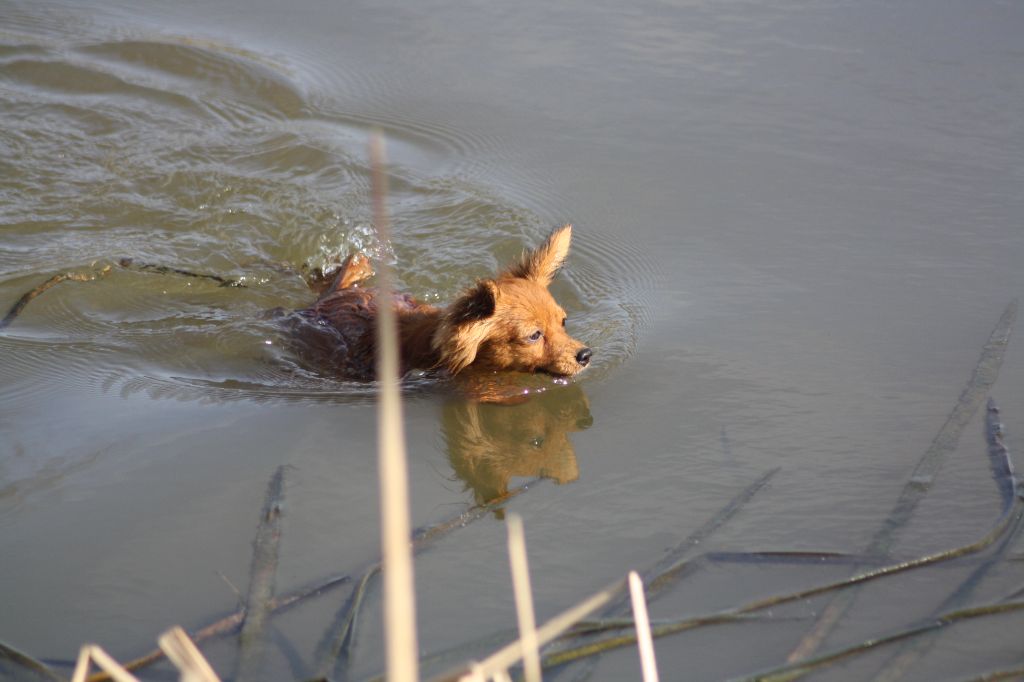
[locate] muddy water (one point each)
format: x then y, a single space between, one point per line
796 226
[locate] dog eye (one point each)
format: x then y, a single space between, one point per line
536 335
563 321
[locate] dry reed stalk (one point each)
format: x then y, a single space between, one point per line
984 375
184 654
523 597
399 597
90 653
509 655
648 665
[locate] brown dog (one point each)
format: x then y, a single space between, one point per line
511 322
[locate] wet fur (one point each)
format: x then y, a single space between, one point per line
490 327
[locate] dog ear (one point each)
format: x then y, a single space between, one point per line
465 325
541 264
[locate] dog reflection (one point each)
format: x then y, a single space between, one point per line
491 443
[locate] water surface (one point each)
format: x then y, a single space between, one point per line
795 227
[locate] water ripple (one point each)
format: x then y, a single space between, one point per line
212 159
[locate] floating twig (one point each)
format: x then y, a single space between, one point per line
130 264
126 263
262 571
27 297
984 375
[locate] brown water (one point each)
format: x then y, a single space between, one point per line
796 225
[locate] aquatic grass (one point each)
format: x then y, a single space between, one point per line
1003 474
1007 521
262 572
794 671
983 377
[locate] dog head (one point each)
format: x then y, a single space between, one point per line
513 322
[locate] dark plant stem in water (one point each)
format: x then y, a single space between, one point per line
1006 522
336 645
930 625
262 571
986 370
1002 472
11 659
670 568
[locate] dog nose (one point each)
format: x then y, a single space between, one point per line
583 356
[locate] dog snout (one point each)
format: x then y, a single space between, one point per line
583 356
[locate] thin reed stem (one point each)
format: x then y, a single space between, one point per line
523 598
399 598
648 665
